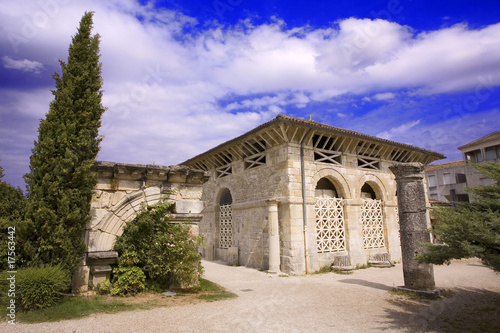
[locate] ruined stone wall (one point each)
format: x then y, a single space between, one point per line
121 191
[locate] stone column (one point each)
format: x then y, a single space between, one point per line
413 224
274 236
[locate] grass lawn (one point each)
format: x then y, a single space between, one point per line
75 307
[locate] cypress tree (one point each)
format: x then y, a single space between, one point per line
60 182
12 207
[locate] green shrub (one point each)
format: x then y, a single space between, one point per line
128 281
35 288
166 252
104 287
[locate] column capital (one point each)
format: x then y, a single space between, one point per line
273 201
408 171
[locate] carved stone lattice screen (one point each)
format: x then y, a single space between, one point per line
226 227
373 227
330 231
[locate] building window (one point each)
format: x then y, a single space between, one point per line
329 210
447 179
224 171
490 153
255 154
225 220
486 181
373 227
474 156
368 163
461 178
431 180
327 156
325 150
371 219
255 160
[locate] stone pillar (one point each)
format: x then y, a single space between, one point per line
274 236
413 224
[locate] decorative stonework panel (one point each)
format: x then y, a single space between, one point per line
330 229
373 227
226 227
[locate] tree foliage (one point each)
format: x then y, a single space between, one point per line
60 182
12 209
471 229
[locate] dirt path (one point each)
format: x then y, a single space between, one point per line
359 302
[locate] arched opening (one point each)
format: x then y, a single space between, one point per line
225 197
225 219
367 192
372 219
325 189
329 211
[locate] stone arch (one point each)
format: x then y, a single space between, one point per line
373 221
375 183
225 197
325 188
224 219
336 178
105 230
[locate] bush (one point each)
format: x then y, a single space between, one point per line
104 287
166 252
36 288
128 279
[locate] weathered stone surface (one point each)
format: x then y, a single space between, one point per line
80 280
100 269
101 256
188 206
413 225
121 192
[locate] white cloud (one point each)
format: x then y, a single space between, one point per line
384 96
395 131
24 65
172 94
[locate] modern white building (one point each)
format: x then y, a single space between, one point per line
446 182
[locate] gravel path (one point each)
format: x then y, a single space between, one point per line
359 302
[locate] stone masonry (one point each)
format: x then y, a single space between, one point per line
262 170
414 225
121 191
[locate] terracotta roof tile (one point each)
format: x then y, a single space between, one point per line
445 165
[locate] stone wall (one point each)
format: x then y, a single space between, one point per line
249 189
280 178
121 191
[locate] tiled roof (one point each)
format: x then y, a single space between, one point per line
445 165
315 125
355 134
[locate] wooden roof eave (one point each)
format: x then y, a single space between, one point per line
277 131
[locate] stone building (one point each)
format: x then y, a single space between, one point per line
446 182
119 194
295 195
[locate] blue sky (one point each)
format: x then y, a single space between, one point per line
183 76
